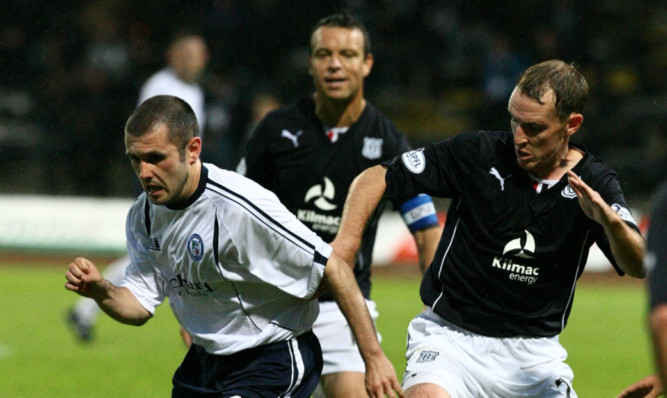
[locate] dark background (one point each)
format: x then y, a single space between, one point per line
71 72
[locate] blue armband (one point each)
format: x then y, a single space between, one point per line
419 213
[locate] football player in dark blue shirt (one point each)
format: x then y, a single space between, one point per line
526 206
656 261
309 152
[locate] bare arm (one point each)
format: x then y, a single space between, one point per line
427 242
362 198
380 373
658 319
627 245
118 302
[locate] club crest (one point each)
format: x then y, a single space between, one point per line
196 247
372 148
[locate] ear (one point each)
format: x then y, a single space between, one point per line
574 121
193 150
368 64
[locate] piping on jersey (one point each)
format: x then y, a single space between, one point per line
574 283
442 263
265 219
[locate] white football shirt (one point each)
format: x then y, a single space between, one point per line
238 268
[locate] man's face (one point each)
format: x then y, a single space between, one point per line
540 138
161 169
338 64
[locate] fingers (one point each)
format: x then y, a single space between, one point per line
389 387
77 274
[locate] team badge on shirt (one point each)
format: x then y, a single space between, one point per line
428 356
196 247
372 148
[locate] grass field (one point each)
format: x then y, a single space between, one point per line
606 338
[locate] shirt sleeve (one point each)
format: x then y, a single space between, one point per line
607 185
436 169
141 277
265 243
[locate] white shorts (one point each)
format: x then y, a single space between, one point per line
339 349
469 365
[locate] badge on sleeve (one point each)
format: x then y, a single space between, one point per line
414 161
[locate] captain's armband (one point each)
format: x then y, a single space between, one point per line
419 213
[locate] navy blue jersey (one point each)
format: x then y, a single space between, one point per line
656 246
290 154
509 258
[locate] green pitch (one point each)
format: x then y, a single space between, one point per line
606 339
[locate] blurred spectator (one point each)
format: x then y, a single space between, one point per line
187 57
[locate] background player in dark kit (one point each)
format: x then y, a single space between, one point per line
656 261
309 152
526 207
239 270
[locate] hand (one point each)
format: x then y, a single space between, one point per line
83 278
590 201
648 387
381 379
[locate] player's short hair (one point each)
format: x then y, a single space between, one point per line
569 86
175 113
343 19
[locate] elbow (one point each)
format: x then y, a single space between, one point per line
638 272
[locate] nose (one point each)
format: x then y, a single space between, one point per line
334 62
144 170
519 136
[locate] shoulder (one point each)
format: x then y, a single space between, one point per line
479 141
291 116
234 188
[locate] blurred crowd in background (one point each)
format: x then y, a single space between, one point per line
71 73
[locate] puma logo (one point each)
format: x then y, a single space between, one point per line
292 137
496 174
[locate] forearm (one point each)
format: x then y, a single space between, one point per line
627 245
363 197
340 281
120 304
658 327
427 243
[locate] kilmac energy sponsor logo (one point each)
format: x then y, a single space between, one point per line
511 260
321 195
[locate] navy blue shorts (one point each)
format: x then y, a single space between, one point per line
269 371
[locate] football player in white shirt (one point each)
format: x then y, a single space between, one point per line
187 57
240 271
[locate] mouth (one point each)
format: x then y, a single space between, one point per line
153 190
334 82
523 155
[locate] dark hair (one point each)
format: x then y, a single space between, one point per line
568 84
343 19
172 111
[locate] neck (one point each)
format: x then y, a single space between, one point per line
334 113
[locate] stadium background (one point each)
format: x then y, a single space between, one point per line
71 72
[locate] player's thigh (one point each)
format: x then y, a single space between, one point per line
426 390
344 385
